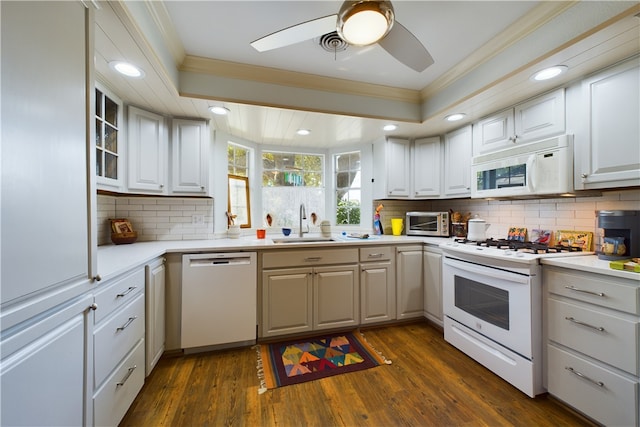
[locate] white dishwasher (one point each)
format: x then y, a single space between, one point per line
219 299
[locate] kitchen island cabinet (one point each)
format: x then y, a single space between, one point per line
609 109
409 284
593 325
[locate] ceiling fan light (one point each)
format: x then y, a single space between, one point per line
364 22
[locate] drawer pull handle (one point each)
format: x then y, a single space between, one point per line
127 375
313 259
583 376
375 255
573 288
123 327
121 294
577 322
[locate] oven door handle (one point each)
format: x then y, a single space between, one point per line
486 271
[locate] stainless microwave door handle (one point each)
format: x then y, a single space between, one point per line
531 162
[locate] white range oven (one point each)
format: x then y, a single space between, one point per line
492 304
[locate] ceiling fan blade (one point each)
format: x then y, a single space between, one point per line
406 48
296 33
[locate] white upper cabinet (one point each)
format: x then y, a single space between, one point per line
109 145
427 159
607 141
457 163
147 171
46 193
392 168
189 153
538 118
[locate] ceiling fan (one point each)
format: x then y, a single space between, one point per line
359 23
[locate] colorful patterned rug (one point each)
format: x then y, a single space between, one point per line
297 361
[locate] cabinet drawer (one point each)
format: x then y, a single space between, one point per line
113 399
614 402
118 293
608 338
615 293
116 337
376 253
288 258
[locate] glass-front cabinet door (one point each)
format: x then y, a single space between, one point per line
108 122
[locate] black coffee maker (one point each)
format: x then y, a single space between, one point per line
618 234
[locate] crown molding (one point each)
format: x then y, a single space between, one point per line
276 76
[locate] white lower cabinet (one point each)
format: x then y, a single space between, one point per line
432 275
44 365
154 315
409 284
119 346
305 290
593 331
377 285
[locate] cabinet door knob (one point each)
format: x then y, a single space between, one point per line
584 175
93 306
97 278
161 185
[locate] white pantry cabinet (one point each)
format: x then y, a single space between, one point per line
44 368
409 284
607 143
189 156
426 167
537 118
147 151
457 163
155 292
45 150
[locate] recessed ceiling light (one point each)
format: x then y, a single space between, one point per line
127 69
221 111
549 73
455 117
389 127
303 132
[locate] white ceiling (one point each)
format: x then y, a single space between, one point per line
484 54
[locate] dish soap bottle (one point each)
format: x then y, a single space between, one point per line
377 225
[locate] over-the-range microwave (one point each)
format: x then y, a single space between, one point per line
427 224
539 168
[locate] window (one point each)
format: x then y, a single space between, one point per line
238 202
291 179
348 188
107 148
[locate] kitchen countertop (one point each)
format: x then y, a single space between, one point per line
592 264
117 259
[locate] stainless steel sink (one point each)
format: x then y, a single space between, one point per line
307 239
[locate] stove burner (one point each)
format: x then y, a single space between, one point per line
527 247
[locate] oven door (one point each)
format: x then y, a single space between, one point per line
493 302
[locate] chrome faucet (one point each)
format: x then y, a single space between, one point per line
303 215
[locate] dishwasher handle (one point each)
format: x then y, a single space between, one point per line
215 260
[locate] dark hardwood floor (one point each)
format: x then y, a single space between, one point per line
430 383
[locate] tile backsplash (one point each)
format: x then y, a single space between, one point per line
577 213
157 218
